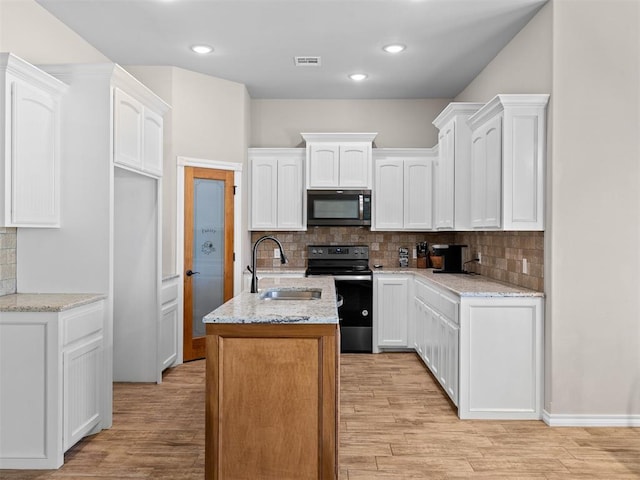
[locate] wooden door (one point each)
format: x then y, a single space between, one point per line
208 251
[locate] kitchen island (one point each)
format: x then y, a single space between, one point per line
273 385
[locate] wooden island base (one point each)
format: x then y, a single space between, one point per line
272 401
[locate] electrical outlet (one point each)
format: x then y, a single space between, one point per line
415 253
525 266
276 253
479 257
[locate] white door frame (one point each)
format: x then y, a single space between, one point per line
181 163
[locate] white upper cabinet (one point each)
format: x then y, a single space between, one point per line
508 151
137 142
339 160
277 189
452 203
29 144
403 188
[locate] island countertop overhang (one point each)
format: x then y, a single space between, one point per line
251 308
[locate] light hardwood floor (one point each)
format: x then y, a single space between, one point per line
395 424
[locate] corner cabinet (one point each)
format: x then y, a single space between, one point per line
29 144
403 189
453 168
339 160
58 395
508 151
277 189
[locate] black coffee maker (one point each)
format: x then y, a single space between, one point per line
451 258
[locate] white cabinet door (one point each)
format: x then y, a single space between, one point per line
445 181
29 145
486 175
389 194
354 165
264 193
291 191
418 199
277 189
34 161
451 377
152 143
324 165
168 345
128 125
392 310
82 378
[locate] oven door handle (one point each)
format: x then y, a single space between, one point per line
353 277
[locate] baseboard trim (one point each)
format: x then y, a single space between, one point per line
565 420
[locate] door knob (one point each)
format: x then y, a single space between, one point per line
189 273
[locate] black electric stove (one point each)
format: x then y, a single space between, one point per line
349 265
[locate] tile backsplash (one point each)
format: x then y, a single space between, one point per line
7 260
502 252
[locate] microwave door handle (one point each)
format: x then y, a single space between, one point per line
361 206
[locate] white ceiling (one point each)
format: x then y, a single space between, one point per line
448 41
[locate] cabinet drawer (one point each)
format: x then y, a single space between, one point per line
449 309
82 321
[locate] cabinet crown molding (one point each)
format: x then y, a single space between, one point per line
498 104
339 137
16 66
453 110
116 75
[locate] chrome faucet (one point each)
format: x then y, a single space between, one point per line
254 277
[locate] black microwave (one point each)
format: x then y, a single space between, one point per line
339 208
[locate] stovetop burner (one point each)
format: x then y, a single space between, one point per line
338 260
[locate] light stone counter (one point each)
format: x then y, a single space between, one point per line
465 285
250 308
46 302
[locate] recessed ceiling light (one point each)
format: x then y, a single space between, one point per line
358 77
394 48
202 49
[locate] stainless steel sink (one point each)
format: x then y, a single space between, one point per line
291 294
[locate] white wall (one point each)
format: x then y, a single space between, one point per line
596 208
523 66
399 123
32 33
586 54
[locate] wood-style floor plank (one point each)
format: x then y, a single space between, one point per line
396 423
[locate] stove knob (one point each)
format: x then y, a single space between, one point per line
314 251
320 251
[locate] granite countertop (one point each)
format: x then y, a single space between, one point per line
46 302
279 270
250 308
465 285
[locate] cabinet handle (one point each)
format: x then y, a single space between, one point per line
189 273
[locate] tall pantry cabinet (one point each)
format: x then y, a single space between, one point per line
110 236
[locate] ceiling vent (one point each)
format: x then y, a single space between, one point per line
307 61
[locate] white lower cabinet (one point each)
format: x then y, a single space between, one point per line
168 342
485 351
437 321
391 311
58 393
501 360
